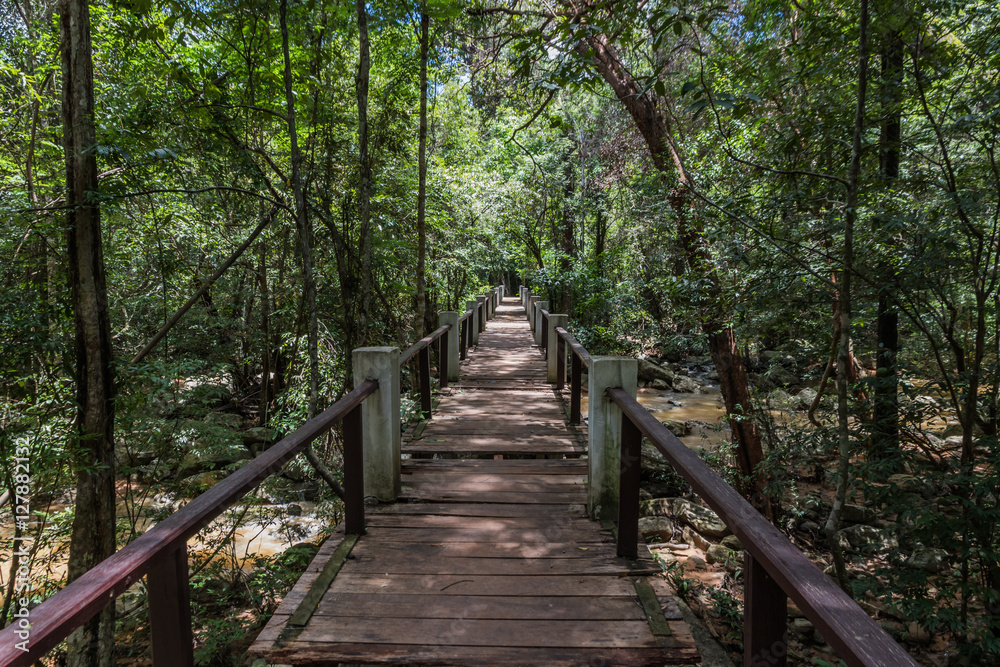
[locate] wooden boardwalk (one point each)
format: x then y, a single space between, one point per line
488 558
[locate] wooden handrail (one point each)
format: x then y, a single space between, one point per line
849 630
574 345
422 343
53 620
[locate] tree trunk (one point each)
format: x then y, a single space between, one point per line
657 133
845 357
93 532
885 436
364 162
422 169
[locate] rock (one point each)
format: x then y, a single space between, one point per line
804 399
656 527
226 419
803 627
780 398
648 372
910 484
660 384
294 510
926 558
196 484
656 507
867 538
721 555
692 536
685 385
810 527
259 435
679 429
732 542
857 514
697 562
761 382
712 375
702 519
927 401
917 634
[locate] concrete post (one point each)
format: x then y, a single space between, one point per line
474 320
552 351
451 317
380 420
532 300
481 300
604 430
503 291
539 307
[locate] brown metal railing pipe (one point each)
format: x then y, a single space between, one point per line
545 334
159 552
774 563
421 344
560 362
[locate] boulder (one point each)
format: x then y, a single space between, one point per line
712 375
656 527
693 537
679 429
804 399
650 372
732 542
225 419
686 385
721 555
258 435
917 634
197 484
866 538
656 507
702 519
928 559
216 459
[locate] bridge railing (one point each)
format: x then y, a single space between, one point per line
774 569
161 553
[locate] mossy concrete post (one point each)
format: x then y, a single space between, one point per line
380 420
451 317
552 349
532 300
474 320
483 312
539 307
604 430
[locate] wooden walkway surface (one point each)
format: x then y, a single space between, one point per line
488 558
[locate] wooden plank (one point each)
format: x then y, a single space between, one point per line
332 655
504 467
542 585
428 494
380 562
502 549
472 533
480 509
480 607
483 524
474 632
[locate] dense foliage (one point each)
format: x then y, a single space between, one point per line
538 173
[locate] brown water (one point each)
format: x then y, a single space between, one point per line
709 429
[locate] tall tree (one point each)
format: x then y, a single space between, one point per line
361 80
93 533
425 21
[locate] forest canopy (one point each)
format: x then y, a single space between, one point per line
206 206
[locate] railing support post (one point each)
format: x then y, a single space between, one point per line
380 420
552 347
169 595
424 357
354 472
575 387
449 347
560 362
538 329
532 300
630 471
604 429
473 322
765 617
481 304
